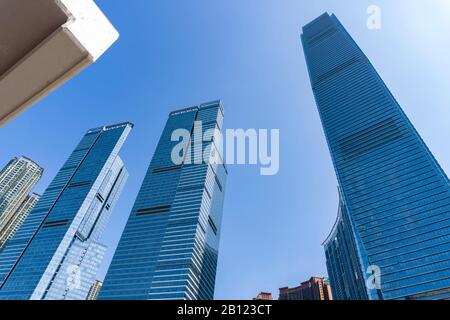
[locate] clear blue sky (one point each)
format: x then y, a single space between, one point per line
173 54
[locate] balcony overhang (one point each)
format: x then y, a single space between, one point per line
44 43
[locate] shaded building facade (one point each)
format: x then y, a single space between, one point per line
395 198
343 266
170 245
55 254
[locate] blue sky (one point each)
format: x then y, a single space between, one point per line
176 53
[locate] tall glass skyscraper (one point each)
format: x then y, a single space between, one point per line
394 218
17 180
56 254
169 247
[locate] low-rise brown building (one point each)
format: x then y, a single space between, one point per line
264 296
314 289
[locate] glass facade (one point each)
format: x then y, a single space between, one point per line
395 197
17 180
169 247
56 254
342 260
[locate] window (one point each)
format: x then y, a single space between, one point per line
212 224
164 169
154 210
57 223
79 184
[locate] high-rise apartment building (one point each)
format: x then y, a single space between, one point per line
95 290
17 180
394 217
55 254
170 245
314 289
20 215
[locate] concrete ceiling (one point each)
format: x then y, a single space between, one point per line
23 25
43 44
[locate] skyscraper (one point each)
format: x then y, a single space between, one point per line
17 180
169 247
314 289
395 198
56 254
